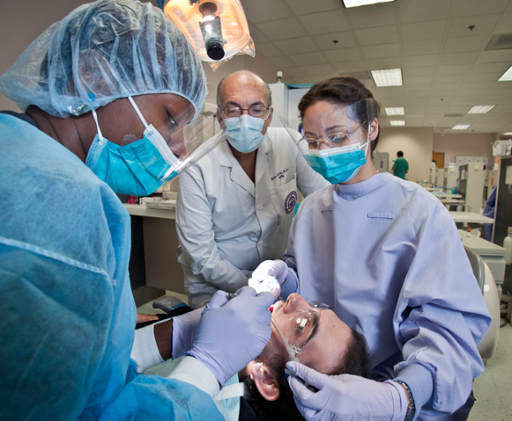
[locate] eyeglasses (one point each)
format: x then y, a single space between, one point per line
258 110
336 139
301 329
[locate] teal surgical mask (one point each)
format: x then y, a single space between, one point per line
244 132
338 165
137 169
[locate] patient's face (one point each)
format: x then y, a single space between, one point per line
327 336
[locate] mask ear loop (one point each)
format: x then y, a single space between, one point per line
138 111
95 116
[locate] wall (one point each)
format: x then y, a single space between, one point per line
416 144
470 144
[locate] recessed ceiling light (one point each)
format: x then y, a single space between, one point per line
387 77
506 76
395 111
356 3
461 127
397 122
481 109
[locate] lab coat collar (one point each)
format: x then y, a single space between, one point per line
348 192
237 174
264 156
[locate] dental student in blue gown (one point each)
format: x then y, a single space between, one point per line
385 255
106 94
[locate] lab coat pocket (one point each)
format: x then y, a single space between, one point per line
382 215
284 198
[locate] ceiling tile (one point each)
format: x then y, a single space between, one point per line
325 22
344 39
421 10
349 66
428 46
375 36
294 71
302 7
420 61
495 68
458 58
467 43
439 79
318 69
268 49
281 29
417 80
344 54
297 45
256 35
384 63
419 71
495 56
419 31
306 59
505 25
258 11
282 62
483 25
479 7
375 15
381 51
459 69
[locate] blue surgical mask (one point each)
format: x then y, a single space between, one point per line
337 165
244 132
137 169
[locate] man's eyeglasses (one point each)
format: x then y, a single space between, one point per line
300 329
259 111
335 139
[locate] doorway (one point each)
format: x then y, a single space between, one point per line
438 157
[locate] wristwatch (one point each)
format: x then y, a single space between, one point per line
411 408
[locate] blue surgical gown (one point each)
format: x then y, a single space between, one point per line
386 256
68 313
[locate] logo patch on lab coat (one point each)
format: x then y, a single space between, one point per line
290 201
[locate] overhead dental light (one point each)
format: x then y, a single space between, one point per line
217 29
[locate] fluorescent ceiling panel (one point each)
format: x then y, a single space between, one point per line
397 122
395 111
508 134
387 77
357 3
506 76
461 127
481 109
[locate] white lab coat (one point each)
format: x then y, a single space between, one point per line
227 224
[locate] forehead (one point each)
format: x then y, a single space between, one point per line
243 88
324 115
179 108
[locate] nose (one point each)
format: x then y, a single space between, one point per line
323 145
294 302
177 143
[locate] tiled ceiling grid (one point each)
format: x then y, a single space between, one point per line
446 69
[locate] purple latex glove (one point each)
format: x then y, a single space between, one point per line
345 397
183 332
232 332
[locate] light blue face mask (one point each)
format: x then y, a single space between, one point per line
338 165
137 169
244 132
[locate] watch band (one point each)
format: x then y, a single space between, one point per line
411 408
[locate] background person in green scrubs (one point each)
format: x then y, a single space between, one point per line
400 166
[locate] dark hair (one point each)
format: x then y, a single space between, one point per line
356 360
400 153
344 91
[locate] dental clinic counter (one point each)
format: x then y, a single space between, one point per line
154 267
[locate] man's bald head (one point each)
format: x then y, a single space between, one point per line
242 78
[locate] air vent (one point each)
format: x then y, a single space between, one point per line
359 75
454 115
500 42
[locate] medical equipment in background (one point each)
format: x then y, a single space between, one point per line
285 101
217 29
440 177
487 285
503 212
381 161
491 181
433 176
471 185
452 175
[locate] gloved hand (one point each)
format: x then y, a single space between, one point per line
276 268
183 332
232 332
345 397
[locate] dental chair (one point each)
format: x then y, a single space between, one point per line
487 285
